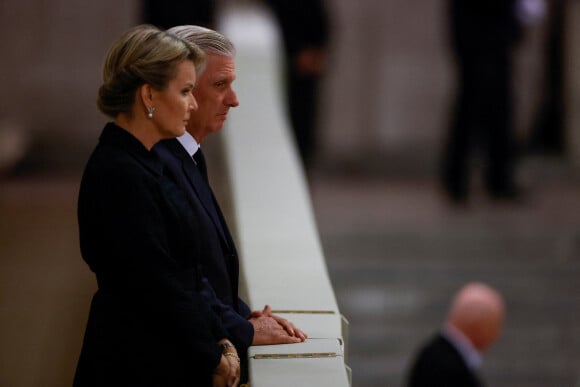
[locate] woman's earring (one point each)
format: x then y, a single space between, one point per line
150 112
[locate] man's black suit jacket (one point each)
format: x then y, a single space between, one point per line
148 323
439 364
483 26
218 255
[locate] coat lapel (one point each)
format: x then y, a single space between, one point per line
200 188
199 192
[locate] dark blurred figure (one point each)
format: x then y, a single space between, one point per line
484 34
305 32
547 134
170 13
451 357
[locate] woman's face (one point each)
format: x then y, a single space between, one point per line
174 104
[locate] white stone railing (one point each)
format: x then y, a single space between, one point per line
281 259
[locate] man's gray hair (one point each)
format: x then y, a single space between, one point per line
210 41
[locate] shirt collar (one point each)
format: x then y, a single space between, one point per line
189 143
468 352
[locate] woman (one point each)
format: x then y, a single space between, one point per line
147 326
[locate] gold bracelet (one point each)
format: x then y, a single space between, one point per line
232 354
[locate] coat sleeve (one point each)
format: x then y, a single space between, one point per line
126 239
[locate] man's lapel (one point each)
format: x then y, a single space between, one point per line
202 190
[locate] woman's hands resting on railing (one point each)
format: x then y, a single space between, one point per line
272 329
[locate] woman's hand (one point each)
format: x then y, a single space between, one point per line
227 373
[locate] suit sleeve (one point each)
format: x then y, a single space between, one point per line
240 330
244 308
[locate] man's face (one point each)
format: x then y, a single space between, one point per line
214 95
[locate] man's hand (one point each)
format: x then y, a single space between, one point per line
272 329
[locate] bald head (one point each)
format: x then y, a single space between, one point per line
478 312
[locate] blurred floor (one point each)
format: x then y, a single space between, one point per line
396 252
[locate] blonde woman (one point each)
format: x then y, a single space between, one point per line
148 325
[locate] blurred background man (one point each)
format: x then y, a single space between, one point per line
452 357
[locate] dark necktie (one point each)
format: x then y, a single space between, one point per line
200 161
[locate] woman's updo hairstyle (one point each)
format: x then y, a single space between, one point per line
142 55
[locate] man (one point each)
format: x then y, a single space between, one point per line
304 61
183 157
484 34
305 31
451 357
